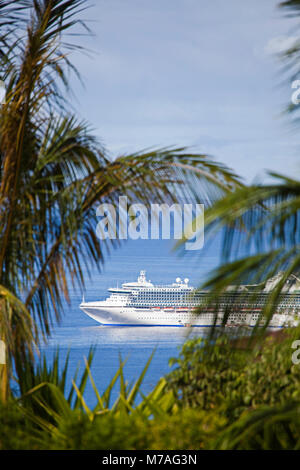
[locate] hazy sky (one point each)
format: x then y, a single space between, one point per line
196 73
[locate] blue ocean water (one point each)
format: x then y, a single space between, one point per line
77 332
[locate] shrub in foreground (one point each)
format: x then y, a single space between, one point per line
219 397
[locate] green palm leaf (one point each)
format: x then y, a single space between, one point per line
54 172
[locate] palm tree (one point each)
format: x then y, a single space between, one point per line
261 238
260 222
54 172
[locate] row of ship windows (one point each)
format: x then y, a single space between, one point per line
161 297
231 297
186 317
179 302
200 298
195 304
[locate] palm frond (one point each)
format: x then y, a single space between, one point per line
54 172
260 225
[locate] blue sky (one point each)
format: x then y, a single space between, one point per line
192 73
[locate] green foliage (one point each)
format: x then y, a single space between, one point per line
16 431
43 389
207 374
231 379
226 395
188 429
267 428
105 431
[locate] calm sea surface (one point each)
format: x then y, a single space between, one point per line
78 332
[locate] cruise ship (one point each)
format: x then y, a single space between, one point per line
141 303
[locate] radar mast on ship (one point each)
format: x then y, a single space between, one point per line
142 277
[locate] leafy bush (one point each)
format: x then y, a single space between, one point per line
16 431
231 379
106 431
267 428
206 374
220 396
186 429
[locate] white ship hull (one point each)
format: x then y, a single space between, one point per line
128 316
